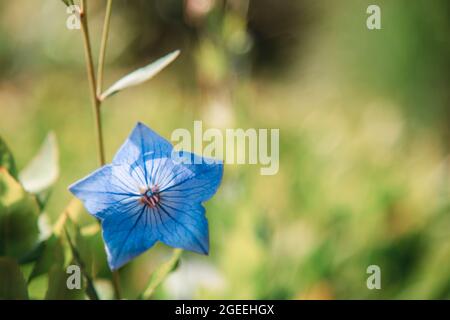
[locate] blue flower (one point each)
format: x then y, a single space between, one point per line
147 194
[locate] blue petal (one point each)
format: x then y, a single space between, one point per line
198 186
182 221
183 226
128 233
165 172
105 188
142 146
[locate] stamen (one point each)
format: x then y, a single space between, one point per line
150 196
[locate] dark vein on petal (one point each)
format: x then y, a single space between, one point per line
190 175
183 226
182 211
143 153
129 232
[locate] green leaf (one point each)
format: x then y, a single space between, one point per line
162 272
12 281
19 212
43 169
57 286
33 254
52 254
58 250
92 249
76 249
89 246
141 75
37 288
7 159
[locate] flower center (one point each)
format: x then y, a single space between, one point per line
151 196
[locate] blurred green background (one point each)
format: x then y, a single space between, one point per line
364 134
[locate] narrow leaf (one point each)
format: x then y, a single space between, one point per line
43 169
12 282
141 75
161 273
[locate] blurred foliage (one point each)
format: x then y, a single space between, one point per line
364 150
13 283
18 218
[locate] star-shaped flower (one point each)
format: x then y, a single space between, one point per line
147 194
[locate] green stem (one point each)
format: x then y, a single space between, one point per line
102 54
91 75
96 103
